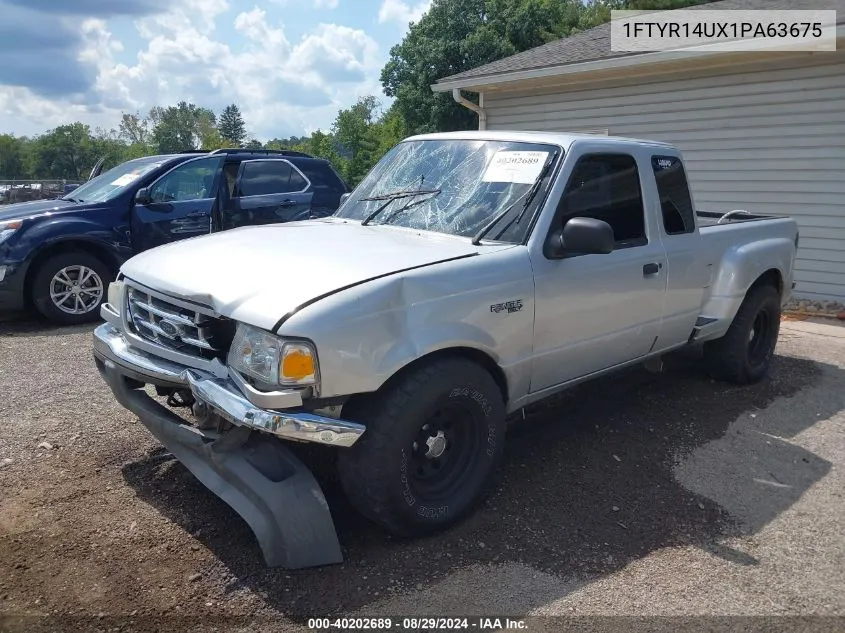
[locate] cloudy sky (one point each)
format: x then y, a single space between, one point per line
289 64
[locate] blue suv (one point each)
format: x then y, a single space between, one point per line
59 256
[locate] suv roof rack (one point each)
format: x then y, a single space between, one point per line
246 150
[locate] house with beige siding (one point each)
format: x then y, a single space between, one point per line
762 131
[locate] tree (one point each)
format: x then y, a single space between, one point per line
13 157
67 152
391 130
232 127
184 126
457 35
133 129
108 145
285 143
357 136
653 5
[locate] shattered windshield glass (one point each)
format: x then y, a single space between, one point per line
452 186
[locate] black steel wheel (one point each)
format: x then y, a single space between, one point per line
744 353
431 450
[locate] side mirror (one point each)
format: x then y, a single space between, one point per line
143 196
581 236
344 198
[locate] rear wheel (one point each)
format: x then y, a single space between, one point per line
433 443
744 353
69 287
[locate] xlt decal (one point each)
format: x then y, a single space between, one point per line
508 306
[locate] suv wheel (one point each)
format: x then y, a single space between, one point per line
69 288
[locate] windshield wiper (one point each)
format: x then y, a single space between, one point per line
390 197
528 196
73 199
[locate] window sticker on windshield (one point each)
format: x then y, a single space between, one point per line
124 180
518 167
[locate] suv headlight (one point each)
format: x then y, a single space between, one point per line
7 228
272 360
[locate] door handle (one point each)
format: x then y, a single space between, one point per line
652 268
197 214
287 203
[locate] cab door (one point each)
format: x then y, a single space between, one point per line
267 191
595 311
178 205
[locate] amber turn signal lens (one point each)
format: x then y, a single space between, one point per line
297 363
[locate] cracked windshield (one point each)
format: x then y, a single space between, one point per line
459 187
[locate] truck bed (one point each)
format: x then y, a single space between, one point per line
712 218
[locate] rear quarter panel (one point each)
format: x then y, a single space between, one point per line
740 253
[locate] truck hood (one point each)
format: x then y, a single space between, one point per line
258 275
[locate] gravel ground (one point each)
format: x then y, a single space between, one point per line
638 494
826 307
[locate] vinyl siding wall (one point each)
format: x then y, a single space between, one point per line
766 139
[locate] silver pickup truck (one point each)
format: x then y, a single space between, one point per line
469 275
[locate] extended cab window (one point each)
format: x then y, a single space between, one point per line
190 181
607 187
675 200
263 177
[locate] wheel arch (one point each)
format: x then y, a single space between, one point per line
475 355
772 277
95 249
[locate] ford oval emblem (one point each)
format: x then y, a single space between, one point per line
169 328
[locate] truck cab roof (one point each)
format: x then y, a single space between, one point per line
563 139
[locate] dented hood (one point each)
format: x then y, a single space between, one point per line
260 274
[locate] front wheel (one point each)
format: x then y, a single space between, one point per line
433 442
69 288
744 353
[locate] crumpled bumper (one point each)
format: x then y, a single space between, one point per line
223 396
256 474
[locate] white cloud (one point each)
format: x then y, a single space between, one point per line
282 87
402 12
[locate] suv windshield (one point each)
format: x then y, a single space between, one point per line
113 182
463 186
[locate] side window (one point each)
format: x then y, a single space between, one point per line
675 200
607 187
297 181
263 177
190 181
323 178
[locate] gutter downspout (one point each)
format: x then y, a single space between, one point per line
482 114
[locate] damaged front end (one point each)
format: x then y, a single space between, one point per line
235 450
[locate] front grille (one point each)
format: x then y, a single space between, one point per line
178 328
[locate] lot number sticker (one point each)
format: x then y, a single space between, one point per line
519 167
124 180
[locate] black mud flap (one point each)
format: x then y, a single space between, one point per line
256 475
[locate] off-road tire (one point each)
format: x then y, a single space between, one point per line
41 281
734 357
378 474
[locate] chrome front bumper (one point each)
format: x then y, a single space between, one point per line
222 395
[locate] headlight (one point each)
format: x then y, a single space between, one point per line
271 360
7 228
